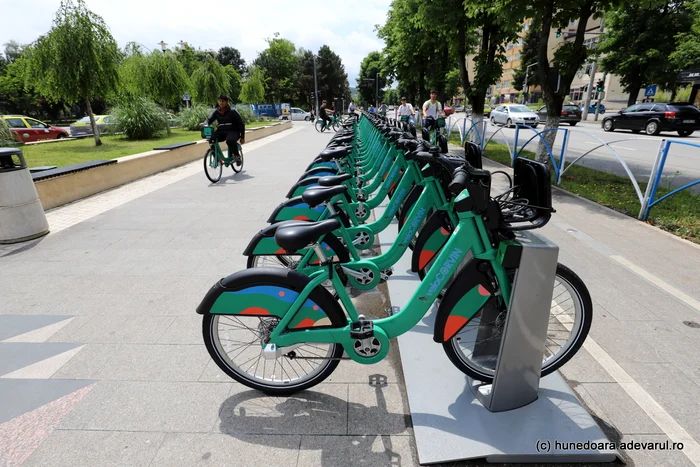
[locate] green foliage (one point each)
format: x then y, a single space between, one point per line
231 56
453 82
6 137
687 53
372 65
638 42
209 81
527 57
235 83
279 63
191 117
139 118
253 89
159 76
192 58
305 78
246 114
332 79
391 97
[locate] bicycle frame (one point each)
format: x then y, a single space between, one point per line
216 146
470 235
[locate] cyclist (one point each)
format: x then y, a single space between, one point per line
405 109
231 126
351 107
431 109
382 109
324 114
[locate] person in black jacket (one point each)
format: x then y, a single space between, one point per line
231 126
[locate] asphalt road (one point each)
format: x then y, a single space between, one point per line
637 150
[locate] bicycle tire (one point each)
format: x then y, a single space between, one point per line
213 163
319 126
275 278
564 276
235 165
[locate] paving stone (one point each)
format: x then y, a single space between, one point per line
624 413
377 410
120 329
351 451
87 362
137 362
657 456
583 368
186 329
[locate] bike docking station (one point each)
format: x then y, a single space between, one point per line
520 417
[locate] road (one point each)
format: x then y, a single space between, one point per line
638 151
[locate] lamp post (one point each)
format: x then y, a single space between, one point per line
163 45
315 86
525 88
376 91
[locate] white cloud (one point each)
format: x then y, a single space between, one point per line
347 27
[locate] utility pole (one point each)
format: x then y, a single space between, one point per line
315 86
525 88
376 92
589 91
600 97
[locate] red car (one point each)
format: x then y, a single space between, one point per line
26 129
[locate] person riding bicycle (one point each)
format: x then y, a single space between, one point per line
405 110
431 110
324 114
231 126
382 109
351 107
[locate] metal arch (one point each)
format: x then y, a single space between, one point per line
640 196
540 133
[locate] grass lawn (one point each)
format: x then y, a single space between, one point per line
84 150
679 214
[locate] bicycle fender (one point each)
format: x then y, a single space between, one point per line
467 293
245 293
431 238
295 209
302 185
319 172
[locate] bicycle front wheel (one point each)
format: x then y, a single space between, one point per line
212 166
474 349
237 164
319 126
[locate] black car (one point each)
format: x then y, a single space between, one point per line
655 117
570 114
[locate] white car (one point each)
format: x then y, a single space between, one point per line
512 114
297 114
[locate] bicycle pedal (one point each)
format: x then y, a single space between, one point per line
362 329
385 274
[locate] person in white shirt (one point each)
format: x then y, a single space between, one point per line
432 109
351 107
405 109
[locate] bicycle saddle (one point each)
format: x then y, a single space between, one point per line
334 153
334 180
296 237
318 195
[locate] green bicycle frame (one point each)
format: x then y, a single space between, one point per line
470 235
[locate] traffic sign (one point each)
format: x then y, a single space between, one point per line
186 97
650 91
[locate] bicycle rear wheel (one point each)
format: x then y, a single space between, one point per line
212 167
474 349
237 165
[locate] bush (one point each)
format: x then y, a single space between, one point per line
6 137
191 117
139 118
246 114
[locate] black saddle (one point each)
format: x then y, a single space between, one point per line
334 180
334 153
296 237
318 195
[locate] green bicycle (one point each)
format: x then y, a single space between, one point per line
280 331
433 131
334 124
214 159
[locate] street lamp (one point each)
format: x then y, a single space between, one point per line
163 45
316 86
525 88
376 90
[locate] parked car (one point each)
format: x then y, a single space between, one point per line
511 114
105 125
26 129
570 114
655 117
487 110
296 114
591 108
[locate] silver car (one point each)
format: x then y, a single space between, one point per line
296 114
512 114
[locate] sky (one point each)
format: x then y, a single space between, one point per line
347 26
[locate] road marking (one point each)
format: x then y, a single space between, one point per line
67 216
638 394
688 300
41 334
44 369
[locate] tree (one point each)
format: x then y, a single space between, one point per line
527 57
253 89
192 58
332 79
305 78
13 50
687 53
77 60
209 81
235 83
391 96
638 42
453 83
372 66
279 63
231 56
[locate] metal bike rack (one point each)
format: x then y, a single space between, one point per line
519 357
520 417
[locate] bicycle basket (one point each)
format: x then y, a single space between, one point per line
441 122
404 118
207 132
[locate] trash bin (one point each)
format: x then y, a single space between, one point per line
22 216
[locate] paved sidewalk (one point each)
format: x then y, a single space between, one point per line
102 361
